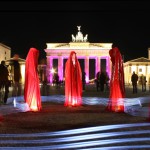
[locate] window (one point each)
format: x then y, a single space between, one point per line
140 70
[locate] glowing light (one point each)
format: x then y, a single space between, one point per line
52 70
14 102
34 108
23 73
86 79
33 105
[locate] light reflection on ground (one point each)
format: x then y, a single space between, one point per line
133 106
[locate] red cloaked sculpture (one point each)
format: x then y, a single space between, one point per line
117 87
32 90
73 81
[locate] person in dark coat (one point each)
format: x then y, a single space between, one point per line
16 71
83 80
4 82
97 81
143 82
134 79
102 81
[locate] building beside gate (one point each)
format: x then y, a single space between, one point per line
5 52
141 66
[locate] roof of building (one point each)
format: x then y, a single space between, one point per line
5 46
141 59
20 60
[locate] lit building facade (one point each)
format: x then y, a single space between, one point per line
84 50
5 52
140 66
22 67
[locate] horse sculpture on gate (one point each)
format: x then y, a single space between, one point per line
79 36
73 38
85 38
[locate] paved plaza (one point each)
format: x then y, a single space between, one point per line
133 131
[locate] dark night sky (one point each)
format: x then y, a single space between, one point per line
34 23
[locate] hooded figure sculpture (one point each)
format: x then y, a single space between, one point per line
32 90
73 81
117 88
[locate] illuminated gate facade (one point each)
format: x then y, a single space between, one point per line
84 50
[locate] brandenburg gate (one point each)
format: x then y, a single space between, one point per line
84 50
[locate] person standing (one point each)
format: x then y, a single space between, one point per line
56 80
16 71
4 82
83 80
134 79
107 81
73 81
32 93
97 80
143 82
102 81
117 87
